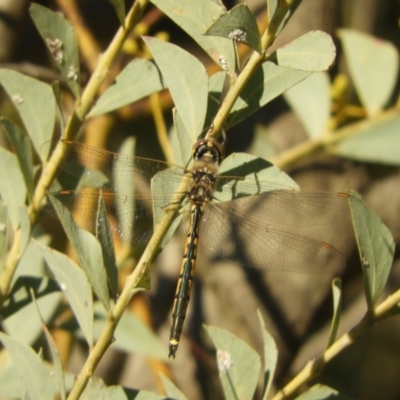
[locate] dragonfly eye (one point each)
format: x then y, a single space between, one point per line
210 148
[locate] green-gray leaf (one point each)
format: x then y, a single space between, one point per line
375 246
373 64
74 285
12 188
97 389
25 226
319 392
107 246
119 6
59 36
23 150
238 24
132 335
337 302
3 233
275 9
185 139
59 378
187 81
271 8
311 102
314 51
138 79
270 357
239 365
186 15
171 390
377 143
89 252
37 380
268 82
35 103
24 325
250 169
215 87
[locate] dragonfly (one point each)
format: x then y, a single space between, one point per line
214 208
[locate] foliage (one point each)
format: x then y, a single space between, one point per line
91 289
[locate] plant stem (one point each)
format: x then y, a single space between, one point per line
313 368
161 128
253 63
330 139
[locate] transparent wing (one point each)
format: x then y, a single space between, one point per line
241 230
286 206
88 172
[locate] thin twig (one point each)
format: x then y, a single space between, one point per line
253 63
161 127
313 368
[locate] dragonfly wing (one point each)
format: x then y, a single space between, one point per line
299 208
136 215
124 183
230 232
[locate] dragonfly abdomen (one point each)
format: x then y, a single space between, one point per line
185 281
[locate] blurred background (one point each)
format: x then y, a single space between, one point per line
296 307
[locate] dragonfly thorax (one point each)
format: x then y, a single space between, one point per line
207 155
202 186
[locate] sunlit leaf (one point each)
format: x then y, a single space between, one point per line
271 8
37 380
187 81
275 10
59 36
185 139
238 24
171 390
311 102
132 335
24 325
238 364
138 79
3 233
186 15
58 368
262 146
314 51
23 151
250 169
35 103
373 64
319 392
74 285
89 252
12 188
119 6
268 82
377 143
10 380
215 87
376 249
25 226
337 304
270 357
97 389
127 149
107 246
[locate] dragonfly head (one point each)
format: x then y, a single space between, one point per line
209 151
